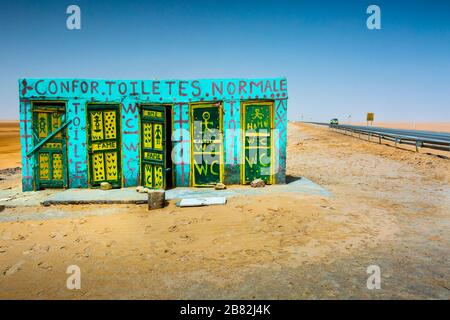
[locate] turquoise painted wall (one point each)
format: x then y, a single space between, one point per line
77 93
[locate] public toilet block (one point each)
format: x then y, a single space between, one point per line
78 133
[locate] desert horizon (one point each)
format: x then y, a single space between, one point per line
10 137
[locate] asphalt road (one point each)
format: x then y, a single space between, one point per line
419 135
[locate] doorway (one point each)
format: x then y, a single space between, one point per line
51 156
156 146
104 148
257 124
206 144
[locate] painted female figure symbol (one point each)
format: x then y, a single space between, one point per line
42 125
158 135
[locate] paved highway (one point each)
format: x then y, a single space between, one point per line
429 139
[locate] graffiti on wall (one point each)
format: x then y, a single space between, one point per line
129 94
164 89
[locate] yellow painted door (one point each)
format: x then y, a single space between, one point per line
51 165
104 145
153 147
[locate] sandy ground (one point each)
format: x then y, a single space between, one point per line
390 207
9 144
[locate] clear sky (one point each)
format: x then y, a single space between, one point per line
334 64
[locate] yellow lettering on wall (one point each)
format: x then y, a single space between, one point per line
153 114
108 145
148 175
212 166
201 169
153 156
158 177
251 161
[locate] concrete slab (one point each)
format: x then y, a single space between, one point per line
15 197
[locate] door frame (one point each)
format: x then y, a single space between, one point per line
97 105
168 108
200 104
272 178
35 105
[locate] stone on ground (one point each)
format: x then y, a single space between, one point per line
258 183
142 189
105 186
220 186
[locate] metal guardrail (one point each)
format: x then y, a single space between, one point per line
417 138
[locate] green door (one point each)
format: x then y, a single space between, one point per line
103 127
153 146
51 158
257 124
207 142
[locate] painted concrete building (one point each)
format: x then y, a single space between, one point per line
77 133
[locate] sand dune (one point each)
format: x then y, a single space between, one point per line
9 144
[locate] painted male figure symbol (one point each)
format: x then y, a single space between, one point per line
206 115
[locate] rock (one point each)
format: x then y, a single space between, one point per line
142 189
2 207
105 186
258 183
10 171
156 199
220 186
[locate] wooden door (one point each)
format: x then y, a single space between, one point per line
51 157
257 121
103 127
153 146
207 144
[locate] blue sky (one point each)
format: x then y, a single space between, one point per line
335 66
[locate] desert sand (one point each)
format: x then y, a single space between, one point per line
9 144
389 207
